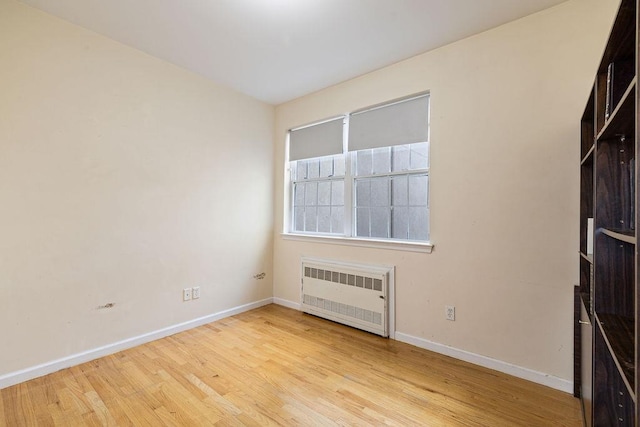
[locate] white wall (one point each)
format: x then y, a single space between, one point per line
123 179
506 106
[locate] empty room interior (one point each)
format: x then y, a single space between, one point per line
318 212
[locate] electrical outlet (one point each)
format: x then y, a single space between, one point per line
450 312
186 294
195 292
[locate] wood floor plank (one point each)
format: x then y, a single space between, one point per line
131 411
277 367
19 406
3 416
258 412
100 409
213 396
39 402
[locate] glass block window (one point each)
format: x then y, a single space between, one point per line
318 194
392 192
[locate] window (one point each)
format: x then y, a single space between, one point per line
318 195
391 192
363 175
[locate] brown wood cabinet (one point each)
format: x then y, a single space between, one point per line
607 299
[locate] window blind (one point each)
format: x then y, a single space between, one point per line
323 139
403 122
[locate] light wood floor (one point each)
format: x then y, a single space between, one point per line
276 366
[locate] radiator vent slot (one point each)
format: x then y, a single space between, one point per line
352 294
344 278
344 309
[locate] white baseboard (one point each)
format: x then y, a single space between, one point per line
17 377
487 362
287 303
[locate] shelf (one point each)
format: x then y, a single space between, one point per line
621 43
588 257
627 236
609 278
589 156
619 332
587 124
622 119
586 301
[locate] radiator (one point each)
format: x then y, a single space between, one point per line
352 294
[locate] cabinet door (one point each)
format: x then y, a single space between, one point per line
586 365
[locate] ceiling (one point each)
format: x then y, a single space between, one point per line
278 50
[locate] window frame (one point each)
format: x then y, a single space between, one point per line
349 236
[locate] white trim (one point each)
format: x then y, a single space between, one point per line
392 302
286 303
393 101
362 243
487 362
26 374
308 125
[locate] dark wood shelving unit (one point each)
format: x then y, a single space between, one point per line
621 121
626 236
618 332
606 302
588 158
588 258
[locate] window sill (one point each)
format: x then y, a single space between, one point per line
364 243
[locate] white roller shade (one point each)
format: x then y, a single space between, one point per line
403 122
323 139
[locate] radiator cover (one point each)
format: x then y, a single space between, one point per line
352 294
